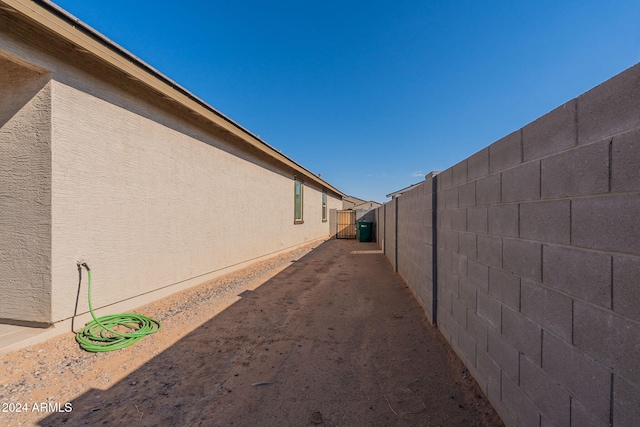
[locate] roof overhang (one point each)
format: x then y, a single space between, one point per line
65 26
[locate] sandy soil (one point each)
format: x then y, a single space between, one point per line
322 337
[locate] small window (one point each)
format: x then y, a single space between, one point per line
299 191
324 206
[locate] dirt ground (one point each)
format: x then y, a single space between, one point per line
322 337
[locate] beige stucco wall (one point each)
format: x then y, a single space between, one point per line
148 207
25 192
151 197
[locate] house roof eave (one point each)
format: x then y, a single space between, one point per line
84 38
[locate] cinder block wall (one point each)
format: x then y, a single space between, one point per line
538 259
415 244
391 232
381 227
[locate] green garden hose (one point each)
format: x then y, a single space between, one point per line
99 336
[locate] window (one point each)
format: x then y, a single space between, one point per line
299 191
324 206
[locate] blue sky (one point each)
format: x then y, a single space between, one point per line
375 94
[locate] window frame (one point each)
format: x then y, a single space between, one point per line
324 206
300 184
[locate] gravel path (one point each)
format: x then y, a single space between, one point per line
327 336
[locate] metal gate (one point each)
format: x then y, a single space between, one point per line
346 225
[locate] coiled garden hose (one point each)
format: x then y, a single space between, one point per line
99 336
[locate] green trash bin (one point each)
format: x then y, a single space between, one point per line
365 229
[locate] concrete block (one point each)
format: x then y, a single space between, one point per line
580 416
442 323
488 190
506 152
444 218
553 402
608 338
428 178
427 198
490 310
429 181
521 183
505 414
444 301
468 348
546 221
452 283
521 407
459 219
607 223
467 296
523 258
451 198
610 108
551 133
581 171
448 239
459 173
586 379
551 310
584 274
625 158
467 194
544 422
626 402
477 219
477 327
478 275
626 286
445 180
505 287
478 164
523 334
467 242
444 255
505 355
460 263
451 331
489 377
428 234
490 250
459 312
503 220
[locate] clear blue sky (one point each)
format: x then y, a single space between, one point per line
375 94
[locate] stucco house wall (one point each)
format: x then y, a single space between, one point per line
97 166
25 191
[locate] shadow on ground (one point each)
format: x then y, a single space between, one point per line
336 339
